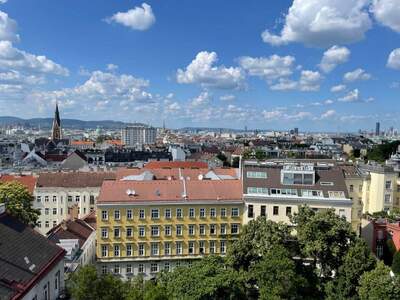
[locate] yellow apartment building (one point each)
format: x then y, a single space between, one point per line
144 227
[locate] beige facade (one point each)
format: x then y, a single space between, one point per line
57 203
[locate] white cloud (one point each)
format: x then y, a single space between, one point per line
270 68
358 74
328 102
394 59
203 99
202 71
101 91
328 114
387 12
8 28
323 23
284 84
112 67
275 115
352 96
138 18
13 58
338 88
334 56
309 82
227 97
3 1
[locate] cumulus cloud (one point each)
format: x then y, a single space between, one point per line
394 59
270 68
227 98
309 81
203 99
328 114
277 114
202 71
356 75
352 96
138 18
13 58
323 23
334 56
8 28
338 88
112 67
387 13
102 90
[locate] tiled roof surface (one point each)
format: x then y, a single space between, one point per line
174 174
116 191
71 229
74 179
27 180
176 164
24 253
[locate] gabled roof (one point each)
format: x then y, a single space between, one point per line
71 229
25 256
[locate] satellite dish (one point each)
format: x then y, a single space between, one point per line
130 192
201 177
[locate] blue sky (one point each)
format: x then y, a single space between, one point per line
314 64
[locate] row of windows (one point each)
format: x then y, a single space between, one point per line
169 248
263 211
46 224
155 213
276 211
179 230
70 198
256 174
55 210
142 268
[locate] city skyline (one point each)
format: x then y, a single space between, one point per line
260 65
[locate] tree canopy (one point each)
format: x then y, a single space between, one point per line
18 202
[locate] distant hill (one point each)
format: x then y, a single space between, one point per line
65 123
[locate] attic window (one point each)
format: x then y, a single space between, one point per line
326 183
130 192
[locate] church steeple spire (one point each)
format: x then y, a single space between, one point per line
56 130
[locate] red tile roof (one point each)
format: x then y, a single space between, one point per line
175 173
176 164
27 180
200 190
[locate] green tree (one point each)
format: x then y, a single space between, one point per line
276 275
208 278
396 263
260 154
379 284
357 260
87 285
18 202
257 237
235 162
324 237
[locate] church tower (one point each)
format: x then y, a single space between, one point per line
56 131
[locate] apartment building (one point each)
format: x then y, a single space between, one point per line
58 195
138 135
144 227
275 189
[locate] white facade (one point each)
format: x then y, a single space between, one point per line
138 135
50 286
56 204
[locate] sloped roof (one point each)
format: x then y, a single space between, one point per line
176 164
25 255
28 181
73 179
174 190
71 229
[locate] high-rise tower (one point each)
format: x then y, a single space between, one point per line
56 130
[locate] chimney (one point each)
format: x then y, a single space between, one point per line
74 213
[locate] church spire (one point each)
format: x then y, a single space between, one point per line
56 130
